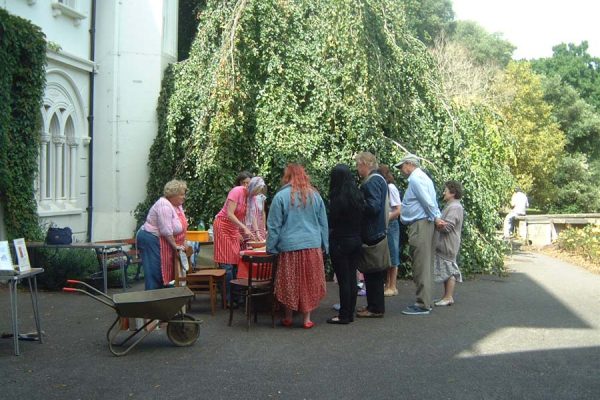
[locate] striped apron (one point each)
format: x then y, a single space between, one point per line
167 253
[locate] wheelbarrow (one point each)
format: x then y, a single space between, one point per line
162 304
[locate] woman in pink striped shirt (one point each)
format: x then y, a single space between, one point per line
162 235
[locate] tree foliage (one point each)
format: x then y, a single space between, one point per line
575 66
572 86
269 82
577 119
187 25
22 80
539 140
428 19
576 186
464 81
485 47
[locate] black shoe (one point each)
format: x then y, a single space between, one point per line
338 321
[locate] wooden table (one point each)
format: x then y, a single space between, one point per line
12 282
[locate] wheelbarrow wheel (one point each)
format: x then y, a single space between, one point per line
183 333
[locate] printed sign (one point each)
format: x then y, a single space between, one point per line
22 256
6 262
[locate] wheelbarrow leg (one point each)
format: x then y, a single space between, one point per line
112 333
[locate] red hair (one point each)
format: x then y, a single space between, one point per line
296 176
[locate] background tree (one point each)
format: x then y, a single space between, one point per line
575 66
539 140
427 19
269 82
464 81
187 25
577 119
576 186
579 170
484 47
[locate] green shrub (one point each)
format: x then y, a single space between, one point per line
62 264
582 241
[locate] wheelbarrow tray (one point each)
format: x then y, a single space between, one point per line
161 304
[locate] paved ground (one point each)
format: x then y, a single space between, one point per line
532 335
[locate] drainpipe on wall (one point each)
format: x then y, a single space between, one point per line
90 118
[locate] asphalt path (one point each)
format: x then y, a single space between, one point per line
534 334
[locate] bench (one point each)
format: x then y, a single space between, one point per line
128 253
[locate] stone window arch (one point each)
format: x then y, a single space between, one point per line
64 139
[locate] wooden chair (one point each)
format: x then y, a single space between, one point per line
206 281
260 282
202 281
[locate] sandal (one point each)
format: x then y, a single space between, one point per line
287 322
308 325
337 320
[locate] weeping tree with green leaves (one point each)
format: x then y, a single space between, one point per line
269 82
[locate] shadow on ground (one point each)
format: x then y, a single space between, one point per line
513 337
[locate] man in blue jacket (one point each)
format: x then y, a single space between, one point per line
374 189
420 212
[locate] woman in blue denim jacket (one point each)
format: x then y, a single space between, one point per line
298 232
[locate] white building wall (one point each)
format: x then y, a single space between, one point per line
135 41
131 58
66 96
70 32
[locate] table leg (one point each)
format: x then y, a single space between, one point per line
123 276
34 302
212 290
104 271
223 292
13 313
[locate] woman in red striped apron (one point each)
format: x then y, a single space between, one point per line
229 227
162 235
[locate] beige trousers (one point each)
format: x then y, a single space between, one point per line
421 235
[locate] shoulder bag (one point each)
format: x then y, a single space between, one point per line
376 258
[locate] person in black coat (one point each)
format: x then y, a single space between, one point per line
374 226
346 204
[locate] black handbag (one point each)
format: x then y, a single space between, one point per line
59 235
374 258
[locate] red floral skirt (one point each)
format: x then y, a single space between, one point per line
300 279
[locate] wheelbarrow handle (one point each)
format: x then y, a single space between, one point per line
108 302
76 282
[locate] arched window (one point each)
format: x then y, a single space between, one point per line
62 138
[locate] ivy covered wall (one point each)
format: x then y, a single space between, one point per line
268 82
22 80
